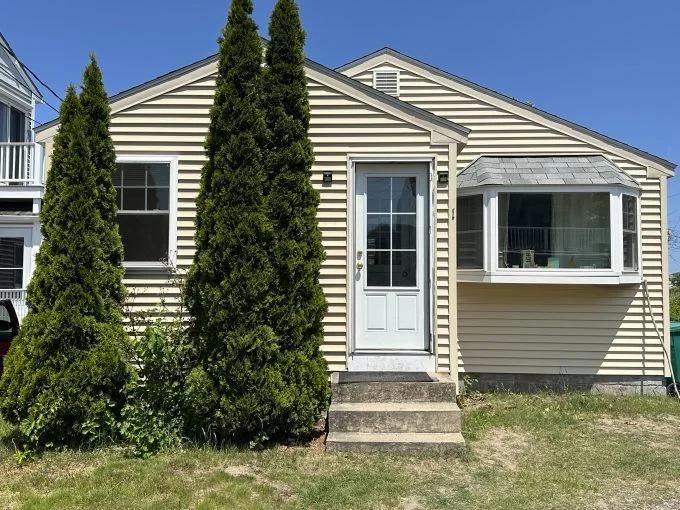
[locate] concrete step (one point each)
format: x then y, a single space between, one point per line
396 443
391 417
440 391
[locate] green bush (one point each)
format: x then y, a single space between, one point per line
153 416
240 395
675 306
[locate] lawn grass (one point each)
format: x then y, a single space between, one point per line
524 451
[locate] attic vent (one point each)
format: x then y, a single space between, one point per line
386 81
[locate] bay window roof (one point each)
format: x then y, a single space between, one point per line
543 170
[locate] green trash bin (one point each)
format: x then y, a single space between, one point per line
675 350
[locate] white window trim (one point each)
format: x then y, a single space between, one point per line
172 210
493 274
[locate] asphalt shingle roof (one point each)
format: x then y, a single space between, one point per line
543 170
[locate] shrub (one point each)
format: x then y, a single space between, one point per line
298 303
229 285
153 416
65 376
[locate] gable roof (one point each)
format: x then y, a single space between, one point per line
543 170
417 116
665 166
23 75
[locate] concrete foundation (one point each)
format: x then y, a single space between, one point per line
528 383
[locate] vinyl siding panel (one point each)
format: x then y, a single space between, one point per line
546 328
176 123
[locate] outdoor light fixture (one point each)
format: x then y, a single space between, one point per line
443 177
327 177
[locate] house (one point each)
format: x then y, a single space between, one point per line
21 178
466 233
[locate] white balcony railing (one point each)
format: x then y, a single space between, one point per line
18 298
21 164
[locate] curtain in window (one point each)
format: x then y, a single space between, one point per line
580 234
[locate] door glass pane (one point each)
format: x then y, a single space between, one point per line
404 231
378 232
391 225
378 194
403 269
378 268
404 194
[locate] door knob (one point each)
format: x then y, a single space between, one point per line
360 266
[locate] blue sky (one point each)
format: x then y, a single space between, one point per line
611 66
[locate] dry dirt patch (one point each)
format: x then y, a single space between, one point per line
251 472
662 426
503 447
75 468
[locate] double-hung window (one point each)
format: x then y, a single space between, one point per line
11 262
145 190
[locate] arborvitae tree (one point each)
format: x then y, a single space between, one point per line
236 391
298 303
97 112
65 375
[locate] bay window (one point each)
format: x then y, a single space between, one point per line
548 234
146 210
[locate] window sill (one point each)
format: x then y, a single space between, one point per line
549 277
131 268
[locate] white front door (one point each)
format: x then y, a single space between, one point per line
391 257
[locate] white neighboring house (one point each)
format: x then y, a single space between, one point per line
21 178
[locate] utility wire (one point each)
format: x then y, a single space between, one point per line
12 76
37 123
28 69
